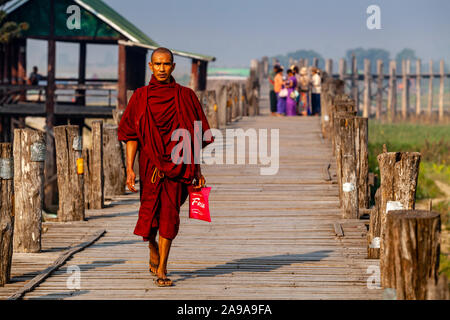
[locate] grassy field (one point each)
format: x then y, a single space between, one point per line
433 142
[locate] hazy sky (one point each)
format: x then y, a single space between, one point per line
236 31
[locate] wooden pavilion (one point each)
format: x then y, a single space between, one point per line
52 21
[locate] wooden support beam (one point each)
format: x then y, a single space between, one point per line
329 67
441 90
29 156
194 74
392 93
22 66
113 162
418 87
398 183
430 91
68 144
202 75
355 94
362 160
81 100
379 89
342 69
122 81
411 252
96 167
367 91
6 212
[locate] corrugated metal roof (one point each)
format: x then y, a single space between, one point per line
105 13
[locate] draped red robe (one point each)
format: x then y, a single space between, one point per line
152 114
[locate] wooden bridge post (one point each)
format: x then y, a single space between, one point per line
70 179
349 185
6 212
379 89
430 91
411 252
367 92
234 101
398 182
342 69
418 87
405 83
354 82
373 234
96 167
241 99
229 103
441 90
362 160
29 156
212 108
222 106
329 67
113 162
392 93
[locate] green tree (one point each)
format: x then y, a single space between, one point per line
373 54
300 54
406 54
9 29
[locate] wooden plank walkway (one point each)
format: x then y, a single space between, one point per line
272 237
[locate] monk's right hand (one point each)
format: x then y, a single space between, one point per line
130 180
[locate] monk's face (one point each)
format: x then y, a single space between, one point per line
162 66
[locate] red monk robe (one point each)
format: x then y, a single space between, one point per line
152 114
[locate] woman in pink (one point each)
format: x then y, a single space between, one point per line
291 85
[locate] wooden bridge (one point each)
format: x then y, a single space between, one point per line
272 236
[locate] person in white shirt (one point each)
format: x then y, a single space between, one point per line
315 91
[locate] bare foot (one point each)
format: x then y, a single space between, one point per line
154 256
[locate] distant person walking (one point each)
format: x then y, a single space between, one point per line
34 79
291 85
303 87
273 94
316 90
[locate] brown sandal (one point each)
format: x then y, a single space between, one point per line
163 282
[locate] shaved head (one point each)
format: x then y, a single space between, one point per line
162 50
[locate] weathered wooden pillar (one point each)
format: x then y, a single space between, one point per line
29 156
212 109
122 78
329 67
441 90
411 255
349 176
241 99
362 160
405 83
96 166
88 198
367 83
194 74
342 69
418 87
234 101
22 66
373 234
379 89
81 94
69 164
315 62
222 106
398 182
113 163
229 103
392 93
51 187
355 94
6 212
430 91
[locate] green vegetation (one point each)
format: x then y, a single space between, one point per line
433 142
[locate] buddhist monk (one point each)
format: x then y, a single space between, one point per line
153 113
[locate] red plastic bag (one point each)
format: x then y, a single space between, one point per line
199 205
